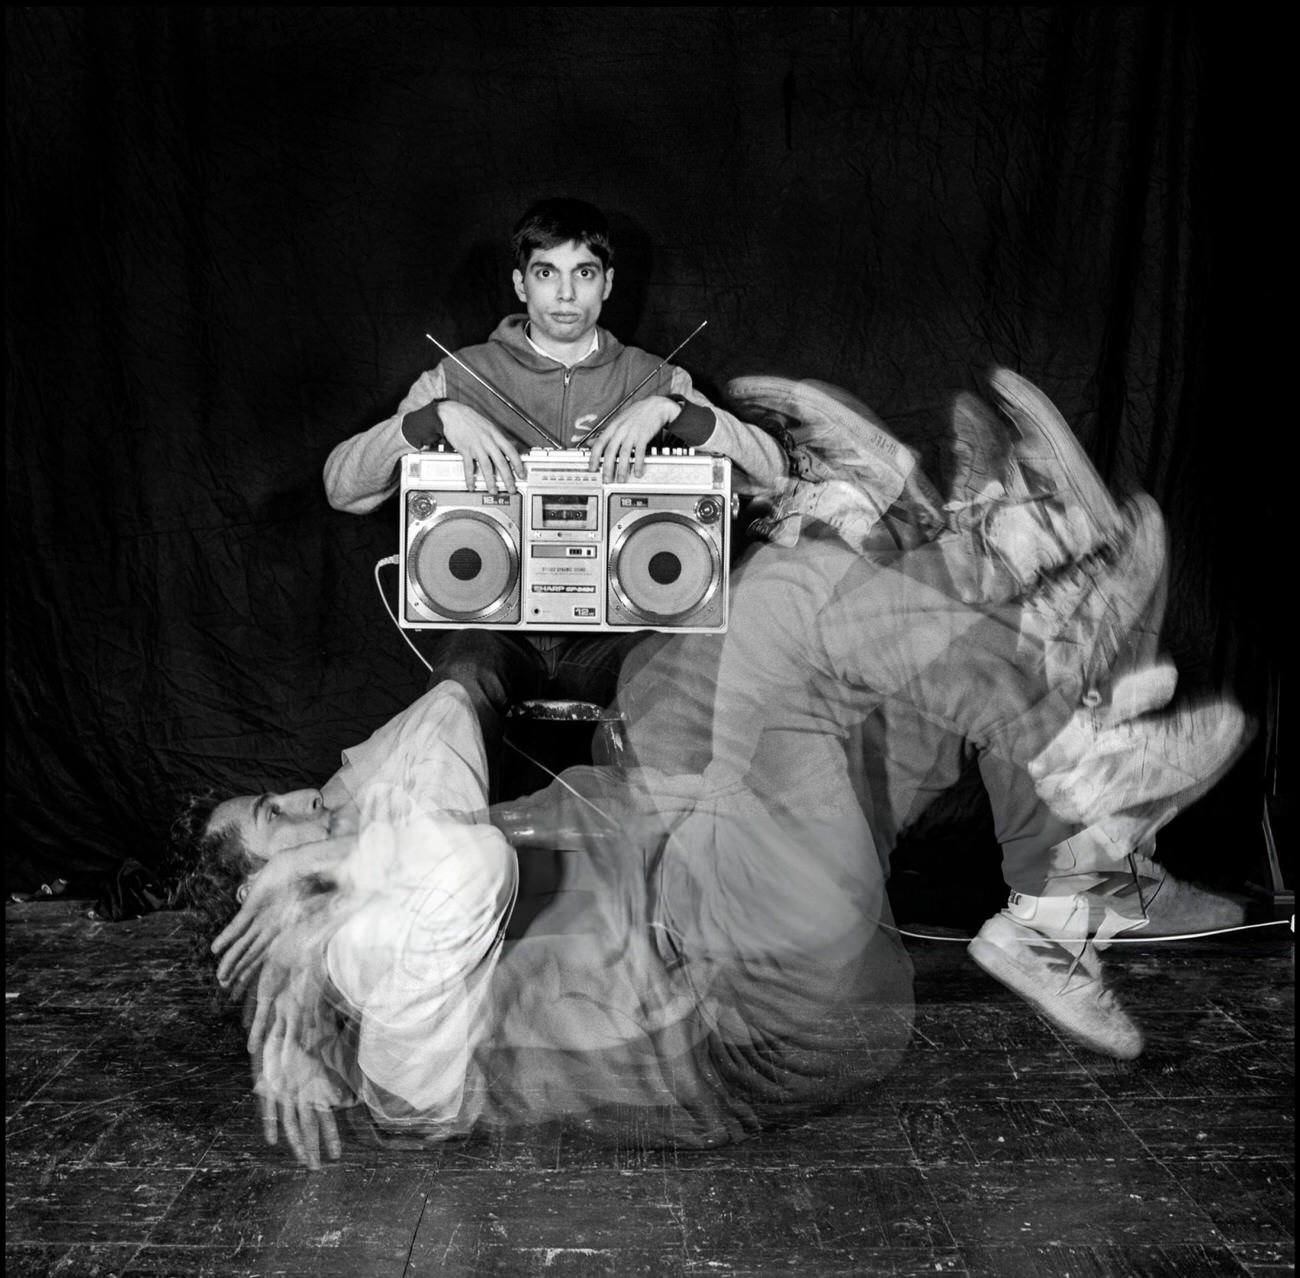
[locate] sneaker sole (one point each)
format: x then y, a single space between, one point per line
1040 424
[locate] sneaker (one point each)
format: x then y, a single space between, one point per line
772 519
981 449
1004 535
851 511
1079 621
1181 752
1060 978
1107 844
837 436
1049 452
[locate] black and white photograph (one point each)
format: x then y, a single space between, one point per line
647 641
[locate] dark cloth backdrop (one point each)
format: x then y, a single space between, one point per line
229 228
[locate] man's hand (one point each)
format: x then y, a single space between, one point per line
482 444
288 1045
620 447
277 897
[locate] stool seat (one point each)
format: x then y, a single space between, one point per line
557 710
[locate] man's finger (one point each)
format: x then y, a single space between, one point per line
506 471
289 1121
309 1133
232 931
330 1128
226 966
269 1125
257 1034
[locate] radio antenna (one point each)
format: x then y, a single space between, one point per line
637 387
504 398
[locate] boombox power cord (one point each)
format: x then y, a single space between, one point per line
394 560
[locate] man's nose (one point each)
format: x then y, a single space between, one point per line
566 290
301 803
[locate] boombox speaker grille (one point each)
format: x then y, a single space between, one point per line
664 567
463 565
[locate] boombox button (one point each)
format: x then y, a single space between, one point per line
708 510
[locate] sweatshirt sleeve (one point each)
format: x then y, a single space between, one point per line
704 425
361 472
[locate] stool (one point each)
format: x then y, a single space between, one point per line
544 736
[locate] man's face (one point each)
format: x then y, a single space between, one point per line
563 288
270 823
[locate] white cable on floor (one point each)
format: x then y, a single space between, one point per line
1114 940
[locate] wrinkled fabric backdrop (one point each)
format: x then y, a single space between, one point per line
230 228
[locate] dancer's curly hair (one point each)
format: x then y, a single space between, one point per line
204 869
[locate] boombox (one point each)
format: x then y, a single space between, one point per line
569 551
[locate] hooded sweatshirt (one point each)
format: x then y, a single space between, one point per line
363 471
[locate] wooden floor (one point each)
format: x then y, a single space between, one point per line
132 1147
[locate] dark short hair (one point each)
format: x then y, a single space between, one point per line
562 221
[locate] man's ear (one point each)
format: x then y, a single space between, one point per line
609 283
518 278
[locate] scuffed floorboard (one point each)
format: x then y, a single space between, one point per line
132 1146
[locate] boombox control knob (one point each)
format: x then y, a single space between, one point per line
708 510
423 506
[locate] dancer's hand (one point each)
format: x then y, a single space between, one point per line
276 897
306 1117
291 1031
290 1040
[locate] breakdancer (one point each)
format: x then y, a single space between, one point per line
731 897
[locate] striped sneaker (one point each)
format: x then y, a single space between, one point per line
838 437
1178 753
1048 452
1038 948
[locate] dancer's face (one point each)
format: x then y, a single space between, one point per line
266 824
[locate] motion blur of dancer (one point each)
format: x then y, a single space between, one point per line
1066 592
692 935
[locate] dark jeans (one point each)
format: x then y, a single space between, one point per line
499 668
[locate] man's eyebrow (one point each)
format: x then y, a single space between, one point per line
258 805
550 266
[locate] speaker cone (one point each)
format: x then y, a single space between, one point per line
663 567
463 565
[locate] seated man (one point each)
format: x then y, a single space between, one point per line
729 925
566 374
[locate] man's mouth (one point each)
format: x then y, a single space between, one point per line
565 317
